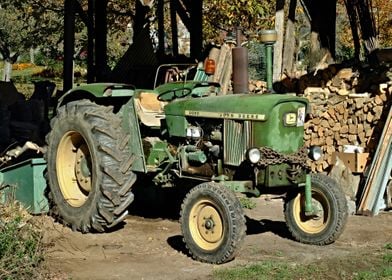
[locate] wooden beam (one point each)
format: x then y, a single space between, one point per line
278 47
101 39
290 42
174 28
182 13
196 29
69 43
161 28
90 42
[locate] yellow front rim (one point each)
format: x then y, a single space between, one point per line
206 225
73 167
316 222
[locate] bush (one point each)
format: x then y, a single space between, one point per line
21 249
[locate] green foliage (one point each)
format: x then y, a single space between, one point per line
388 246
251 15
263 271
21 250
375 266
257 65
247 203
28 23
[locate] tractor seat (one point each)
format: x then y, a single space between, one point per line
149 109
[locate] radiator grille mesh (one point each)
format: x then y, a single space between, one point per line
237 139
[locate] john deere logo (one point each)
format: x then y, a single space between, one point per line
290 119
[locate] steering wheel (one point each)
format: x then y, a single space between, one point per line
183 91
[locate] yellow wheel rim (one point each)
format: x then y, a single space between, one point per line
206 225
316 222
73 167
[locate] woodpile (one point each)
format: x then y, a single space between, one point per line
257 86
349 119
337 79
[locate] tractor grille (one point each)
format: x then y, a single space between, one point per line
237 139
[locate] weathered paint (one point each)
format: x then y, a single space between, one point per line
98 90
275 134
241 187
308 195
130 125
276 176
267 113
156 154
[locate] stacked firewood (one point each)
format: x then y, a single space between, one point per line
353 119
257 86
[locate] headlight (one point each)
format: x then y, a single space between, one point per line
315 152
253 155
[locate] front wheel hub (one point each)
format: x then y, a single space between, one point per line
209 224
206 225
83 168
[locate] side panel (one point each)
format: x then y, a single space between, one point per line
278 132
130 124
176 125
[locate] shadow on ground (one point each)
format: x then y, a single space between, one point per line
252 227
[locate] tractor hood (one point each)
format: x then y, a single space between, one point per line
233 106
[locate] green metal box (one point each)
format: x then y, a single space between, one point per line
25 183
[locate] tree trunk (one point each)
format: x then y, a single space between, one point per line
32 55
7 70
278 48
290 42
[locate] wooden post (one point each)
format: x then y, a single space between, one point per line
161 28
69 43
279 27
174 28
101 39
90 42
290 42
196 27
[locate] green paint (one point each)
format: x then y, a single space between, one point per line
308 195
268 50
244 106
197 156
26 184
176 125
274 134
241 187
156 153
131 126
276 176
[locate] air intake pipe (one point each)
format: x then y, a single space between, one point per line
240 66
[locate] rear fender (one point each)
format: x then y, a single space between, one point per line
97 92
120 97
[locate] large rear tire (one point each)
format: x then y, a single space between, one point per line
330 212
88 167
212 223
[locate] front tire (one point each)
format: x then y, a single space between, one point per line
212 223
330 217
88 167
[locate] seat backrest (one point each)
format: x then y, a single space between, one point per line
150 103
149 109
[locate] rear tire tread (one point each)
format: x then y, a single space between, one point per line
111 144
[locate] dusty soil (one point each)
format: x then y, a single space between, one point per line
151 248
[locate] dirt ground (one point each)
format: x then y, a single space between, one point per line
151 247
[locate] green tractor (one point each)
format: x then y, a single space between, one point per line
185 133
